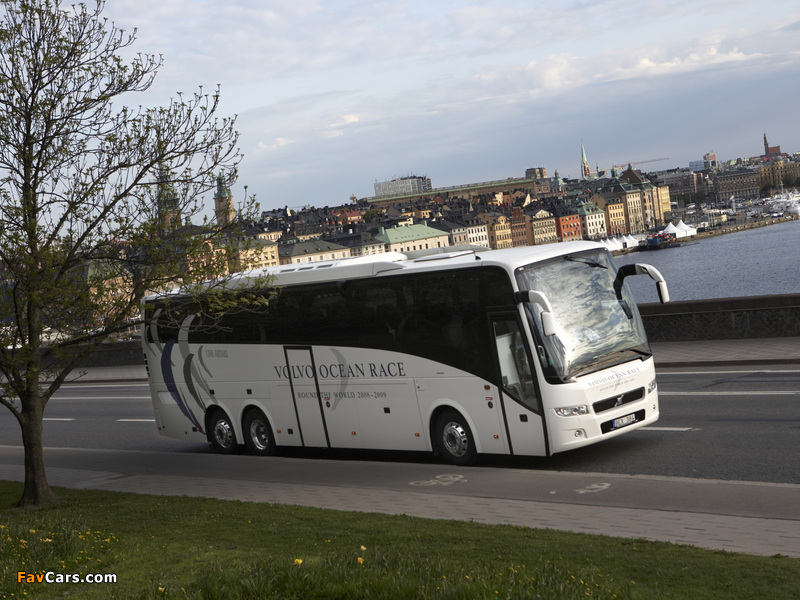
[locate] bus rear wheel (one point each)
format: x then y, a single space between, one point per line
453 439
257 434
221 433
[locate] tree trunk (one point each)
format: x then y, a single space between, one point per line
37 492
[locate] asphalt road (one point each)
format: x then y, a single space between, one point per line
737 424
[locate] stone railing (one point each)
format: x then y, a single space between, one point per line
723 318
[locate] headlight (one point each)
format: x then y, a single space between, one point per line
651 386
572 411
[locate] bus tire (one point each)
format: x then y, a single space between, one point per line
453 439
258 438
221 433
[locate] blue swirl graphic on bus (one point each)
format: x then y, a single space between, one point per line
172 387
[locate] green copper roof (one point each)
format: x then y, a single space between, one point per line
410 233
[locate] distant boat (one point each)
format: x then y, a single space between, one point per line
664 239
786 203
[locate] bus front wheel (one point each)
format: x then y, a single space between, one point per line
257 434
453 439
221 433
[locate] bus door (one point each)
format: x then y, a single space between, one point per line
306 396
522 406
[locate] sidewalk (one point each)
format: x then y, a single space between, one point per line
731 516
755 351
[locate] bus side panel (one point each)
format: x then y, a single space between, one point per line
282 415
243 375
172 421
178 414
368 398
388 415
526 430
479 406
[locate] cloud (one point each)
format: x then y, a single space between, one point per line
338 93
262 147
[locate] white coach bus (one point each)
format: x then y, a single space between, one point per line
525 351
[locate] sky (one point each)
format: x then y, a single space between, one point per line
331 96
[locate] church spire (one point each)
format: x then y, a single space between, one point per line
167 203
223 203
586 173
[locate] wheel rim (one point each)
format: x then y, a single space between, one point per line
455 439
259 435
223 434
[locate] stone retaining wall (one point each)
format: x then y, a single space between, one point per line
723 318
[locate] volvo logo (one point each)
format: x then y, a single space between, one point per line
619 401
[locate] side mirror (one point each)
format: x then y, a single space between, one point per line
549 326
663 292
642 269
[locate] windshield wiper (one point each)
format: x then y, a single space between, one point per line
584 260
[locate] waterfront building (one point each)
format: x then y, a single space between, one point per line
681 182
779 174
631 199
410 184
498 227
613 212
593 220
294 251
521 231
251 253
543 227
361 243
568 223
741 184
348 216
655 199
457 233
412 237
536 173
477 232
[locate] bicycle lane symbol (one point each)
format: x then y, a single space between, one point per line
440 480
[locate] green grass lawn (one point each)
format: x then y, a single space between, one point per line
173 547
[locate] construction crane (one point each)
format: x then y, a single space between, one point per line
639 162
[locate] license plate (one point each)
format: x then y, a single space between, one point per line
622 421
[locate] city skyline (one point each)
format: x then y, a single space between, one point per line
332 97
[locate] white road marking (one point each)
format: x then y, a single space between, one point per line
107 399
668 372
651 428
136 420
731 393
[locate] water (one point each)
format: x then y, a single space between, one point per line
756 262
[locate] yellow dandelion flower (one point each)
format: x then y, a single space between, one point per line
360 560
298 561
363 548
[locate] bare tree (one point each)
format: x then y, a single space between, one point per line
93 197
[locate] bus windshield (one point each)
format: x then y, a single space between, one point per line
595 328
